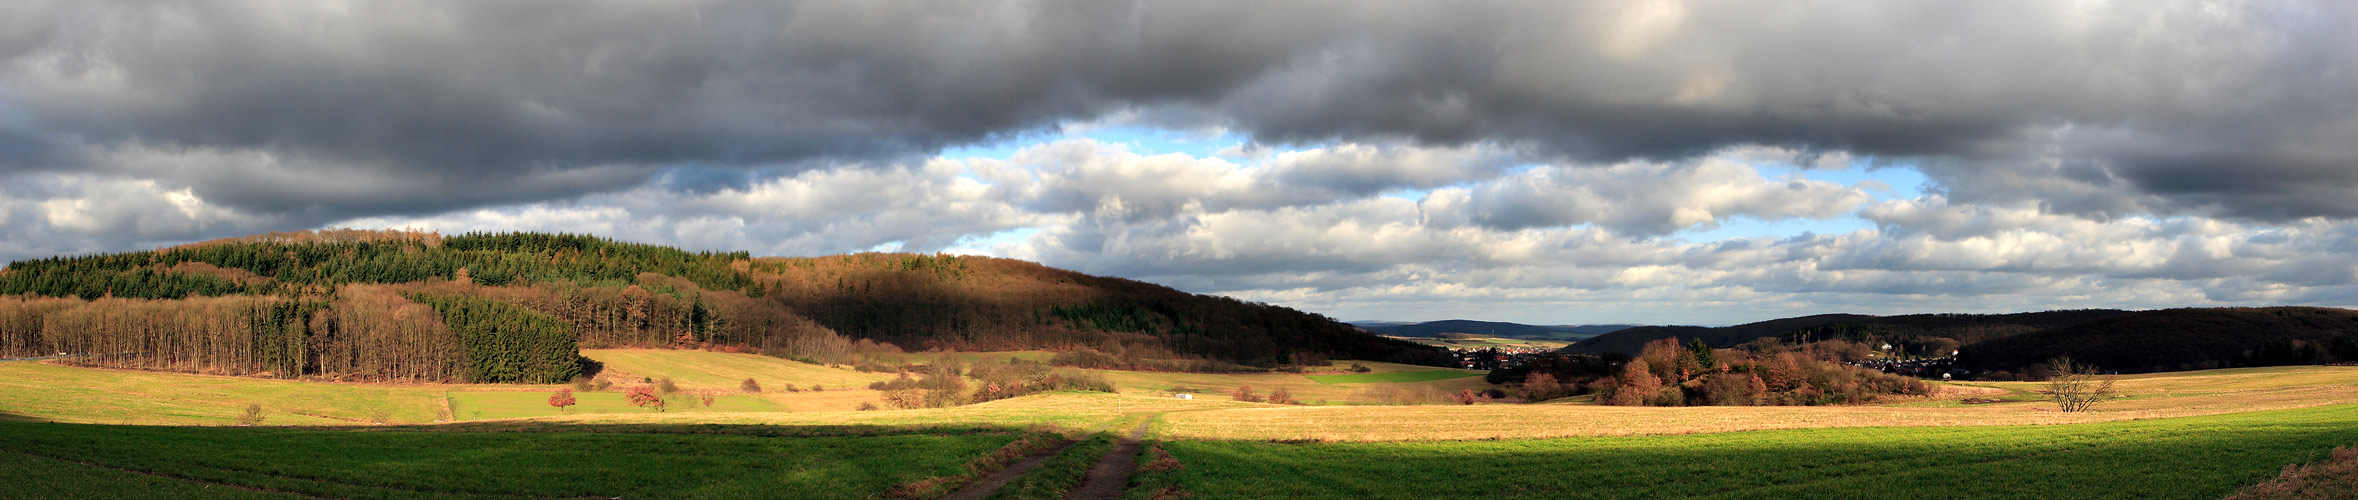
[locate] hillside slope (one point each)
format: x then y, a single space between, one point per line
1492 329
515 307
2184 339
1963 328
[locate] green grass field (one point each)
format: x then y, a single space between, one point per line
1393 377
714 462
2182 435
720 370
87 395
1060 473
2192 457
479 405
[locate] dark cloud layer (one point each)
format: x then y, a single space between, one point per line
2245 110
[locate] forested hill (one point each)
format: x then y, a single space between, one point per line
2114 340
1493 328
2184 339
515 307
1956 329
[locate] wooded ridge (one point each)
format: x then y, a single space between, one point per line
516 307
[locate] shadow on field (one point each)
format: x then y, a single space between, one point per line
2194 457
512 459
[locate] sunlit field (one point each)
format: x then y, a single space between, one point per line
2209 432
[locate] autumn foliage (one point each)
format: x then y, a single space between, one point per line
1671 374
561 399
644 397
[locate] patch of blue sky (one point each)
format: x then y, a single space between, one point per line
1904 182
1157 140
989 245
1747 227
1408 194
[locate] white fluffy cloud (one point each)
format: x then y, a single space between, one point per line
1388 230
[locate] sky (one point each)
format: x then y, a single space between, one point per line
1555 162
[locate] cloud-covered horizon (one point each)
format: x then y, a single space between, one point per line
1653 161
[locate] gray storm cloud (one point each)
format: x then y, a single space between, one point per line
2241 109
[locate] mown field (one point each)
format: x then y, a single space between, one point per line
1485 342
2180 435
2190 457
229 462
1393 377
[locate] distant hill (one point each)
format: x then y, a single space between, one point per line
1488 328
2115 340
1964 328
2184 339
517 306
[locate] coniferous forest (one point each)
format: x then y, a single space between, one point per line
516 307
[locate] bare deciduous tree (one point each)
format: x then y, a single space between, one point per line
2075 386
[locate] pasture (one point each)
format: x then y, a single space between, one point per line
2191 457
1393 377
2179 435
232 462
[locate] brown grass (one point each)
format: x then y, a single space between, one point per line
2336 477
2149 397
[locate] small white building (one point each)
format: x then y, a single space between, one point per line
1184 396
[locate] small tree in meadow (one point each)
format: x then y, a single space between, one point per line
644 397
252 416
2075 386
707 401
749 386
561 399
1282 396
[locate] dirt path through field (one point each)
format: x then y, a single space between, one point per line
1111 476
983 488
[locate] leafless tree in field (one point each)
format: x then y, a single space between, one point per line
2075 386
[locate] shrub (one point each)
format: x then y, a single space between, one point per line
582 384
904 398
1543 386
665 386
602 384
1283 397
1245 393
750 386
867 407
707 400
818 388
644 397
252 416
791 388
1360 368
561 399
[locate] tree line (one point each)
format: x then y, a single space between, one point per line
354 299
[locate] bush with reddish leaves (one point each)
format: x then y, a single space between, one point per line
561 399
644 397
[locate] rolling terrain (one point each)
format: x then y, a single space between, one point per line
2123 341
1490 329
2204 433
400 306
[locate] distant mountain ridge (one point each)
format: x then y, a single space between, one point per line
1489 328
2118 340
